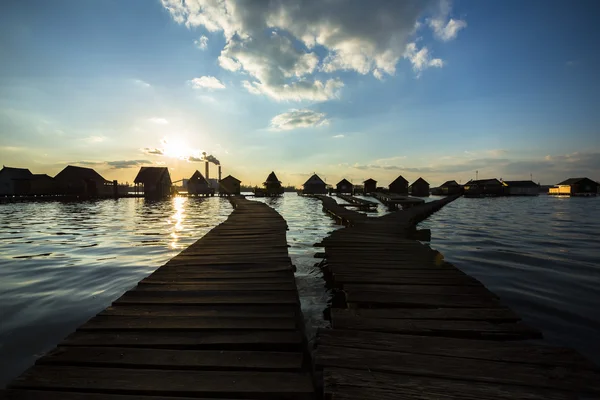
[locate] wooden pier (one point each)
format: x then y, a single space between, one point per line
392 200
361 204
408 325
221 319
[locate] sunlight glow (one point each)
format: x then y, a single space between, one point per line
177 220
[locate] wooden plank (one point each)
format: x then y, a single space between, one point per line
119 357
190 339
53 395
207 297
166 382
420 289
166 274
349 384
187 323
458 314
343 278
205 287
519 352
459 368
178 280
461 329
235 311
387 299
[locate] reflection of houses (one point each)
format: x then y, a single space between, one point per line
15 181
272 186
419 188
484 187
399 186
370 186
575 187
314 185
198 185
153 181
522 188
82 181
229 186
344 186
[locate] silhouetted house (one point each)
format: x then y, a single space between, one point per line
484 187
155 182
229 186
344 186
314 185
522 188
450 188
399 186
42 184
15 181
273 185
198 184
370 186
575 187
82 181
419 188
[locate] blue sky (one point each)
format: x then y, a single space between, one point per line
345 88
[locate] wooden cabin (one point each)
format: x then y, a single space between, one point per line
82 181
419 188
15 181
198 185
450 188
272 186
575 187
155 182
522 188
370 186
314 185
344 186
229 186
42 184
484 187
399 186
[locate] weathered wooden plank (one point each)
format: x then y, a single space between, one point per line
234 311
119 357
187 323
179 280
17 394
458 314
166 274
419 289
519 352
460 368
165 382
343 278
207 297
388 299
205 287
346 384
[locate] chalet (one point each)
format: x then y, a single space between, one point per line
419 188
522 188
82 181
575 187
450 188
370 186
229 186
272 185
344 186
15 181
42 184
315 185
155 182
198 185
399 186
484 187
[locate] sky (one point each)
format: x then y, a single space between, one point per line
344 88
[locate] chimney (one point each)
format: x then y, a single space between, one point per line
206 170
219 173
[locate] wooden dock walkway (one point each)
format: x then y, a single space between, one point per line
361 204
392 200
222 319
408 325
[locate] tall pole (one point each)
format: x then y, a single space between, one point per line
476 175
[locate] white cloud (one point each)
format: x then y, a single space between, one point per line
96 139
298 119
421 59
443 28
141 83
338 136
158 121
206 82
202 43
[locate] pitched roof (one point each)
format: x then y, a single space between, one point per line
229 178
198 178
420 180
574 181
17 173
521 183
272 178
483 182
399 179
370 180
314 180
344 182
71 172
42 176
449 183
151 175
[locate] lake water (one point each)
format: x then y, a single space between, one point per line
61 262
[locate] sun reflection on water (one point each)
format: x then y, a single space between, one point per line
176 220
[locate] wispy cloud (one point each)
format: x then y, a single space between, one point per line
443 28
201 43
294 119
141 83
421 59
158 121
124 164
206 82
340 136
154 151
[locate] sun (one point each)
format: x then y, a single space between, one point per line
175 148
